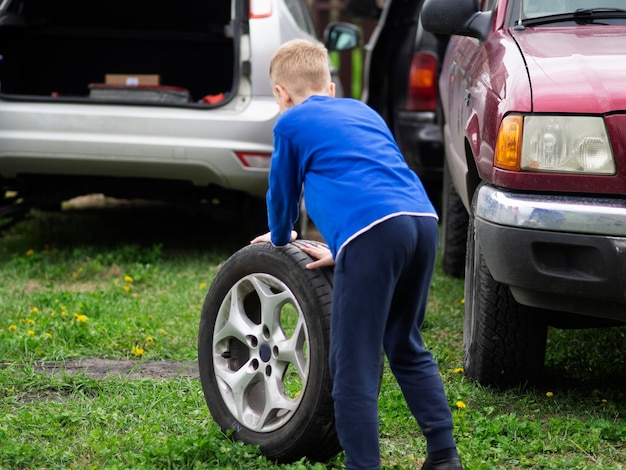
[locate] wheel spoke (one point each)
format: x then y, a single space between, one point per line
276 402
235 322
271 302
291 350
237 383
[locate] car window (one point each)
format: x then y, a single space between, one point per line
302 15
539 8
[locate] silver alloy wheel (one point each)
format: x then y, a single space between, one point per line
260 346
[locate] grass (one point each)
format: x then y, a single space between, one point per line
128 283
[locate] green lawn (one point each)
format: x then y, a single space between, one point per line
128 283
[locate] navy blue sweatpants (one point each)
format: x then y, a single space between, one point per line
380 292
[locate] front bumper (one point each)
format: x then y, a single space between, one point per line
564 253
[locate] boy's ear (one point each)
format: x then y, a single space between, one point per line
283 97
331 90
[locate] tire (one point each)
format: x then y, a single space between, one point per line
263 353
504 342
454 228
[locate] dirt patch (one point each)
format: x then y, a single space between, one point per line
171 226
108 368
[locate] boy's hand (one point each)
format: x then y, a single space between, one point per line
267 237
322 254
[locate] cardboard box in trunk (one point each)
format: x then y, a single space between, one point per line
132 80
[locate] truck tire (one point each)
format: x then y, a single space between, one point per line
263 352
504 342
454 229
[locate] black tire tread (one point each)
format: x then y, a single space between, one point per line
510 341
454 229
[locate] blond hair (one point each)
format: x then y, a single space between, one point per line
301 67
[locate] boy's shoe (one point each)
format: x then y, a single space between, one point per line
447 464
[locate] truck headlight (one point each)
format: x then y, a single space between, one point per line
562 144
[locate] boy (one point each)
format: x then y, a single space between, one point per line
381 230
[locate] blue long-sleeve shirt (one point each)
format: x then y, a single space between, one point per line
354 176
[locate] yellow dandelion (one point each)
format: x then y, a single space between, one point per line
203 286
30 321
458 370
137 351
48 335
127 287
604 400
30 252
81 318
30 332
52 314
150 317
460 405
162 332
462 301
63 314
127 278
149 341
34 310
12 327
549 394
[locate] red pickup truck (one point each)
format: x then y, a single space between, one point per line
533 106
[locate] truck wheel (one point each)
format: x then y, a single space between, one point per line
504 341
454 228
263 352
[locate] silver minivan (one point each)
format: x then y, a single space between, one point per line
148 99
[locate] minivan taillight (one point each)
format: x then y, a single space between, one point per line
254 160
422 95
260 8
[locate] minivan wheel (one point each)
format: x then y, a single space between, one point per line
454 228
263 352
504 341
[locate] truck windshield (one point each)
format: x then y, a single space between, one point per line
541 12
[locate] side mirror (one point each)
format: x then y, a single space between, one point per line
341 36
460 17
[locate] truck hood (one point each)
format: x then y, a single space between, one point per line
575 69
